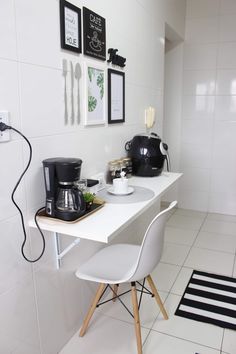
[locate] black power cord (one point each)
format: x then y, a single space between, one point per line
4 127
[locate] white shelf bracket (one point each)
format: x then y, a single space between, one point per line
60 254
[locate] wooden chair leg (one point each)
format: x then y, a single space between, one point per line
136 317
91 310
157 297
115 289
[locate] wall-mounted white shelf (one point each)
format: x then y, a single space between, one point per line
110 220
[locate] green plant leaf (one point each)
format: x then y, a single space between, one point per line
91 73
88 197
100 80
92 103
100 83
101 91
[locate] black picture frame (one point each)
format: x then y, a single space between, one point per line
94 34
70 26
116 96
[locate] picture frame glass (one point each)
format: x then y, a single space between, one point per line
116 96
70 27
95 95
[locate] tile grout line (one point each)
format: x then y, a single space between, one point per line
194 242
221 347
203 248
234 265
182 266
186 340
213 250
169 293
150 329
19 111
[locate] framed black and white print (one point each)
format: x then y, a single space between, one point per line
70 23
116 96
94 28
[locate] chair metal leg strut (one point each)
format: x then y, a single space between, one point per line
102 289
141 295
115 296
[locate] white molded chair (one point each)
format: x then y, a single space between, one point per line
122 263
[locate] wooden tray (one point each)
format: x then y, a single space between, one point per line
98 204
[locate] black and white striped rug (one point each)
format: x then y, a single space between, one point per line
210 298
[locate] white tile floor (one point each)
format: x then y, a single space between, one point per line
194 240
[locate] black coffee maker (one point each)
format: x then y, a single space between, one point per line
63 199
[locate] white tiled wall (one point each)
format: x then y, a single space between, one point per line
208 142
41 307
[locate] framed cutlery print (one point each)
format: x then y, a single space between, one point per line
70 23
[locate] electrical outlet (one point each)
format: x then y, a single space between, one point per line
4 118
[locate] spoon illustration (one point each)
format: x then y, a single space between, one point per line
64 73
78 76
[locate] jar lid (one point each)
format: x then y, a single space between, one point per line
112 162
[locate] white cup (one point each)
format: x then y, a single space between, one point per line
120 185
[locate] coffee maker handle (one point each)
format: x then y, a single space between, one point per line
79 199
164 151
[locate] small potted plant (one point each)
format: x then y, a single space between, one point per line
88 198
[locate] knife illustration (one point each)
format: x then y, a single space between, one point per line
72 93
78 76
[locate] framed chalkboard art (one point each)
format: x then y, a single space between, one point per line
94 27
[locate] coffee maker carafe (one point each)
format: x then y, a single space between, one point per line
63 199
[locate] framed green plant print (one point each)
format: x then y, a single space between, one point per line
95 94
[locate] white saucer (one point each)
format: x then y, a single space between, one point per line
130 191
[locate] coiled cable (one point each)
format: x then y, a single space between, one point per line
2 128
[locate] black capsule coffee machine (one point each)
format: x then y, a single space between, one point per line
148 154
63 199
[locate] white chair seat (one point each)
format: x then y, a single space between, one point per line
112 265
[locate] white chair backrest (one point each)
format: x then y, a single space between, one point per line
152 245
